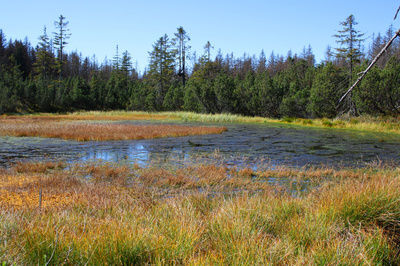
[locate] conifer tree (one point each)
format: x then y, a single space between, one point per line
161 69
60 40
180 41
350 41
116 59
44 58
262 63
207 50
126 63
2 45
326 90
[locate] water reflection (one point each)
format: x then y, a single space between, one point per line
241 144
129 151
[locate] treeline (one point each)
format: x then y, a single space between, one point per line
47 79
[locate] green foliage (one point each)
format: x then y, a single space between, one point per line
379 92
269 94
294 103
279 87
391 85
162 68
201 84
174 98
138 95
97 91
368 96
11 89
349 52
326 91
350 41
191 102
117 90
223 89
45 62
80 97
60 40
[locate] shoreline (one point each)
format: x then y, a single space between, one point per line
362 124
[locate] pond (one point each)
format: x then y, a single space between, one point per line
242 144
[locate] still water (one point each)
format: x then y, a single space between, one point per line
242 144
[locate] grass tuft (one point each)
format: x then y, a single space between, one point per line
45 127
201 214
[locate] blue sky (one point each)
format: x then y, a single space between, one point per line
232 26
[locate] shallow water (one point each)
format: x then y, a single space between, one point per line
242 144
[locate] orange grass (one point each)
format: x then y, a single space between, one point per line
62 185
121 215
87 116
38 127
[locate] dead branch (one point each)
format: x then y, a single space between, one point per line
371 65
397 12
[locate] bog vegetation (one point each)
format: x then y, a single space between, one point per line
363 123
101 213
203 214
46 79
50 127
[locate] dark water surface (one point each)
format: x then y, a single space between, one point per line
242 144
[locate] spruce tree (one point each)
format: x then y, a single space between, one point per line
44 64
60 40
2 47
126 63
116 59
207 50
180 41
161 69
350 40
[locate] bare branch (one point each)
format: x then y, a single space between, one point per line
370 65
397 12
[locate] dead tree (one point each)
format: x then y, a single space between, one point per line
397 12
362 74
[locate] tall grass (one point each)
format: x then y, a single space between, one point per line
109 214
41 127
363 123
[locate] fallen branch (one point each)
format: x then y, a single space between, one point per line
397 12
370 66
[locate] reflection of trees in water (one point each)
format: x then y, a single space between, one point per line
241 144
109 153
134 152
166 153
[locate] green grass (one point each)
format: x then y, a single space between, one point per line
363 123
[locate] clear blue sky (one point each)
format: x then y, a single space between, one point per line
232 26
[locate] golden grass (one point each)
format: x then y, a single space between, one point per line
45 127
363 123
202 214
93 115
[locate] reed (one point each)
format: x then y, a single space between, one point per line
111 214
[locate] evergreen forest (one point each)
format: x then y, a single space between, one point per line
46 78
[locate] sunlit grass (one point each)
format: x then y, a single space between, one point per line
45 127
363 123
203 214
